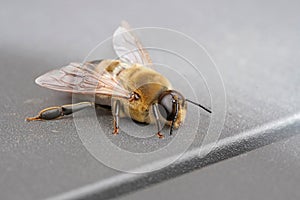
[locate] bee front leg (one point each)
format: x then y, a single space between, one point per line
59 111
158 125
116 115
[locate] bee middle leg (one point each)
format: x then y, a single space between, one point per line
116 115
59 111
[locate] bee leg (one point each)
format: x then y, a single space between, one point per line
116 115
156 115
175 108
59 111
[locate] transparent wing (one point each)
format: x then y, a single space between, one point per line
83 79
128 47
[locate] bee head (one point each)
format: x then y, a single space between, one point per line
171 104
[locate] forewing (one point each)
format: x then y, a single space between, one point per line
82 79
128 47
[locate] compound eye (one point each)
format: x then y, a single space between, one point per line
165 106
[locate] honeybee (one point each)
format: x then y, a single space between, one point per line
127 85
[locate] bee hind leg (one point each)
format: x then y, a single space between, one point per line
59 111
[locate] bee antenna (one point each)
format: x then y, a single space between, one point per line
198 104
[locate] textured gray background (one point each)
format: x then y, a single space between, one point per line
254 43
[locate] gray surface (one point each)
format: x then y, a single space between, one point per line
255 45
268 173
